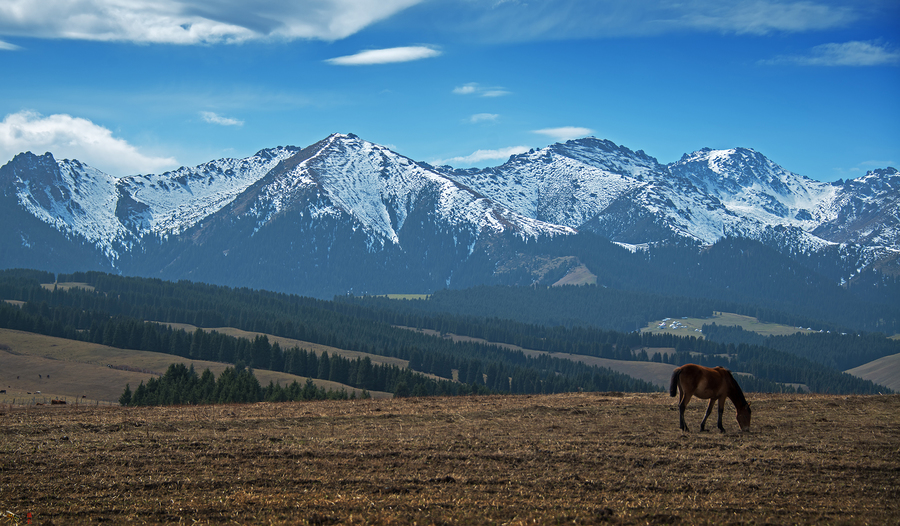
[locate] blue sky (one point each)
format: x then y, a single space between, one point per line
140 86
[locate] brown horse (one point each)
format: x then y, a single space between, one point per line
714 384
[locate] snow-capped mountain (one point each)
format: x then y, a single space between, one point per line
631 198
863 211
566 184
112 213
171 202
346 212
379 189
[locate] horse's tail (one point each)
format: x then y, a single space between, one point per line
673 386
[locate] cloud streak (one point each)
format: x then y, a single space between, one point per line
480 156
75 138
854 53
385 56
475 89
193 21
522 20
214 118
483 117
565 133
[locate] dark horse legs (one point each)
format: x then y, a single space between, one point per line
682 405
709 409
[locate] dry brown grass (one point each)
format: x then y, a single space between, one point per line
69 369
576 459
883 371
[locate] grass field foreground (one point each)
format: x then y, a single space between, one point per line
582 458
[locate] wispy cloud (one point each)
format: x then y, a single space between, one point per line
483 117
76 138
522 20
194 21
480 156
475 89
565 133
385 56
761 17
6 46
854 53
215 118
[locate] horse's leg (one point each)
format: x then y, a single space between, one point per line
682 405
721 408
709 409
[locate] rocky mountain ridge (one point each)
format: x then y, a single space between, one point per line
327 209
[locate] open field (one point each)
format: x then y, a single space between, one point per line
579 275
884 371
408 296
69 369
692 326
67 285
585 458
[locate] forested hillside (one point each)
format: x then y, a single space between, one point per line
121 312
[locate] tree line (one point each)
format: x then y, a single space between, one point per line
79 314
114 313
181 385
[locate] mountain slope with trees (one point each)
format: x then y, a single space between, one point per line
117 309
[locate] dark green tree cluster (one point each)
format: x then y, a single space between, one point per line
114 314
761 281
359 333
835 350
181 385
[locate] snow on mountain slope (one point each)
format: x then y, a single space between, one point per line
74 198
171 202
586 184
754 187
380 188
565 184
865 210
114 213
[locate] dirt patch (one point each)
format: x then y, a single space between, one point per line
583 458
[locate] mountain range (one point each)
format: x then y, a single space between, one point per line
345 215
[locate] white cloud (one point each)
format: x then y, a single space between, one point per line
6 46
214 118
75 138
847 54
473 88
466 89
385 56
193 21
483 117
484 155
565 133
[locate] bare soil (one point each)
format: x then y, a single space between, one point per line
586 458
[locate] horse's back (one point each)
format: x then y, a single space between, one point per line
700 381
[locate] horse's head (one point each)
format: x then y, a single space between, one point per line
743 418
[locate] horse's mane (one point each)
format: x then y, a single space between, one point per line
737 394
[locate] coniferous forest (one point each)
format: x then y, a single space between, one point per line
131 313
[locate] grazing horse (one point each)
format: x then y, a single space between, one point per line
714 384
